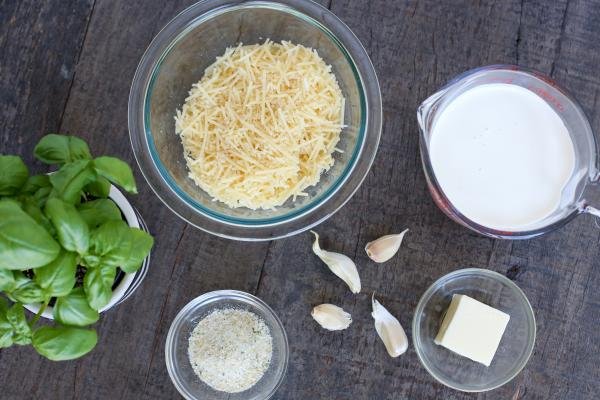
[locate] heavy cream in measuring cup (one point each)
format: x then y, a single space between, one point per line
502 156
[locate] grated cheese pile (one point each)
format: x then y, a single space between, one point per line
262 124
230 349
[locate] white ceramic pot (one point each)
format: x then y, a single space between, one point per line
130 282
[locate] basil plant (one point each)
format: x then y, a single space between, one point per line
63 242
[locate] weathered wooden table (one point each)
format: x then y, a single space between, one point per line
66 66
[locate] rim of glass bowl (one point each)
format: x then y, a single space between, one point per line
216 296
296 221
466 272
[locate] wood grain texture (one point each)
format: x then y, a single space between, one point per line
416 46
40 43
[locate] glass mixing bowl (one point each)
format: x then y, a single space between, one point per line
176 348
177 58
515 347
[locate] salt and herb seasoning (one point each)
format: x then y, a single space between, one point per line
230 349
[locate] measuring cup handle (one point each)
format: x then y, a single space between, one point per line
592 210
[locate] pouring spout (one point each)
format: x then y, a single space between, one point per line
426 108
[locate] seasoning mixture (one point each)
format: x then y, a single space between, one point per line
262 124
230 349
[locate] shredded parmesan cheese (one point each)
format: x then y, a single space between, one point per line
230 349
262 124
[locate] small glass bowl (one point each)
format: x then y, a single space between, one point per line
515 348
176 350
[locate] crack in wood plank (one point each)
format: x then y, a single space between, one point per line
518 38
563 27
358 238
262 267
85 32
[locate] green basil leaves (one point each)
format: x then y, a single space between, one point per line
7 280
21 331
6 329
13 174
119 245
24 243
99 188
97 212
73 309
26 290
98 283
62 241
60 149
73 232
58 278
116 171
63 342
70 179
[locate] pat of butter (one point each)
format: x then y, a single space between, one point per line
472 329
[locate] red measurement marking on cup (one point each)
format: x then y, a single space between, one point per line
544 94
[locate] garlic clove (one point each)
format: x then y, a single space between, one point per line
385 247
331 317
339 264
389 329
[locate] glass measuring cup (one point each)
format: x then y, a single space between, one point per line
585 171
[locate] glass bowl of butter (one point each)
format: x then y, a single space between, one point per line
474 330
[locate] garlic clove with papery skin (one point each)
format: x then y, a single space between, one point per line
331 317
339 264
389 330
385 247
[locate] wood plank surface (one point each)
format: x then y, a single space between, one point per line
67 66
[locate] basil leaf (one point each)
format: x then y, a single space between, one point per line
34 183
13 174
7 280
74 309
71 178
6 336
42 194
26 291
31 207
116 171
98 283
58 278
21 329
3 311
64 342
119 245
6 329
24 243
60 149
141 244
99 188
72 231
97 212
90 260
